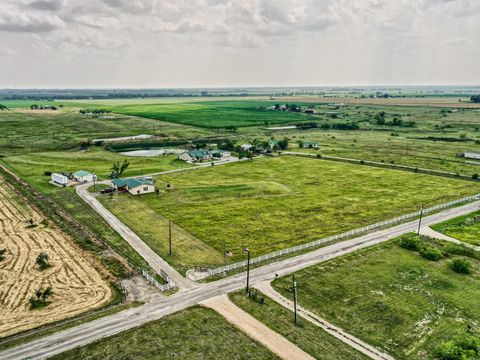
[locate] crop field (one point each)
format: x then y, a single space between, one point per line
273 203
77 285
392 298
308 337
465 228
194 333
211 114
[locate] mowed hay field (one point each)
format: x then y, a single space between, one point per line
273 203
77 286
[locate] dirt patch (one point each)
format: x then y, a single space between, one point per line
77 286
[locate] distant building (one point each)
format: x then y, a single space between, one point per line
195 155
246 147
273 144
134 186
310 144
84 176
309 111
220 153
471 155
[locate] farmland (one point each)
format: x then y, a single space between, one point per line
274 203
77 285
195 333
392 298
310 338
465 228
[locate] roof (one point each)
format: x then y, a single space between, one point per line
81 173
273 142
310 143
198 153
131 183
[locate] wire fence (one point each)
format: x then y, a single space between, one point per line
163 287
345 235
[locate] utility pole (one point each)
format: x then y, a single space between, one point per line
224 253
247 250
420 221
294 286
169 237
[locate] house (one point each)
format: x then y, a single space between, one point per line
273 144
310 144
246 147
60 179
195 155
134 186
84 176
471 155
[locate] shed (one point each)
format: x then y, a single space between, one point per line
83 176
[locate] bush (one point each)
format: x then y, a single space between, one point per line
460 348
461 266
431 253
410 242
475 176
47 173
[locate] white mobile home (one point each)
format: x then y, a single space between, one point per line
471 155
60 179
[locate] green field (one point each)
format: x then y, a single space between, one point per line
308 337
195 333
465 228
211 114
274 203
392 298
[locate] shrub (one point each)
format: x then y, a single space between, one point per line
2 254
47 173
431 253
460 348
410 242
475 176
460 266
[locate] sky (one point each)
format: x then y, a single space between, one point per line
227 43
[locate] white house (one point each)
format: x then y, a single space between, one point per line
246 147
471 155
83 176
60 179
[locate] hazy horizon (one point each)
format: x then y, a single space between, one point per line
158 44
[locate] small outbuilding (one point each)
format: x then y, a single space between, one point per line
134 186
471 155
83 176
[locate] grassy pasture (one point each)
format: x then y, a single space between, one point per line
465 228
305 335
274 203
391 298
195 333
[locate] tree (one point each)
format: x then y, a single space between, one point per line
300 144
118 169
39 299
42 261
462 347
283 144
2 254
3 107
380 118
475 99
227 145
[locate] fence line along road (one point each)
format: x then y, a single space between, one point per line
313 244
163 287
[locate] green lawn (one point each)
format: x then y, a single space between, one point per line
391 298
465 228
195 333
274 203
305 335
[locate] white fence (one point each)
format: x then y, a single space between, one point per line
344 235
163 287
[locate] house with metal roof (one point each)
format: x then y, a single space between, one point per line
195 155
83 176
310 144
136 186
